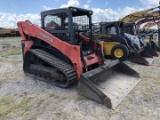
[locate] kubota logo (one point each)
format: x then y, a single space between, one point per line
46 37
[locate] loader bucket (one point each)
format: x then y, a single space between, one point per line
108 84
151 49
155 47
142 57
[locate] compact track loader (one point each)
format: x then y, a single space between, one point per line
60 54
119 44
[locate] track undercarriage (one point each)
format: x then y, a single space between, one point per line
45 66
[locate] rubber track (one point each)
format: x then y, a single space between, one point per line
65 68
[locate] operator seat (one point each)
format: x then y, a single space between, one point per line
51 25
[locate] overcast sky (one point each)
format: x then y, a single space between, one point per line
12 11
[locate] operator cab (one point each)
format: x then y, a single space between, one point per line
130 28
113 28
66 23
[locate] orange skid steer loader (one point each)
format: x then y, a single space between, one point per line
58 53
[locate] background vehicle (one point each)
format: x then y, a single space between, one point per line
141 17
7 32
121 45
121 40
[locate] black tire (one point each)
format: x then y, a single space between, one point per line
123 48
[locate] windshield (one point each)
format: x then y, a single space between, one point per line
130 29
109 30
82 22
79 22
55 22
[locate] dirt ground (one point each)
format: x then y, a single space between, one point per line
23 98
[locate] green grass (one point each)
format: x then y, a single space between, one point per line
79 98
6 46
146 74
59 116
156 79
14 61
11 38
6 105
2 79
13 51
16 51
9 107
